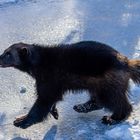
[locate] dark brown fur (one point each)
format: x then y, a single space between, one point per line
88 65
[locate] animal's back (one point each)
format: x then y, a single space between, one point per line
89 58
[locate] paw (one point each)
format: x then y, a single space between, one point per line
54 113
81 108
22 122
108 120
86 107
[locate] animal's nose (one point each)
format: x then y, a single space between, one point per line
0 59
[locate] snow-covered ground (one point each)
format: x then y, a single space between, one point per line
116 23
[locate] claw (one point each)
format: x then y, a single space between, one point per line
55 113
108 120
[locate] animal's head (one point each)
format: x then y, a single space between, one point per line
18 56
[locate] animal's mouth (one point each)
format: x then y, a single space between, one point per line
5 65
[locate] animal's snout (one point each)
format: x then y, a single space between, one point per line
0 60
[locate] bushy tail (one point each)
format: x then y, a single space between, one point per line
134 69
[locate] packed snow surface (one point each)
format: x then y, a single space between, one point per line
116 23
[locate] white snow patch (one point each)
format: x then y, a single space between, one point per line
2 118
120 132
126 19
2 2
81 132
1 136
137 49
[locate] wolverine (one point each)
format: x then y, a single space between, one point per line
87 65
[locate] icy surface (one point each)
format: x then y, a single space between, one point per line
116 23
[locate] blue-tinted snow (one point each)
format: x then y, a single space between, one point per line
116 23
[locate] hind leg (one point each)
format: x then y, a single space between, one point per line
113 95
118 115
120 107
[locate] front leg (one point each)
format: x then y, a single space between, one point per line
38 113
47 96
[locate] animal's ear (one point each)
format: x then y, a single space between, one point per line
24 51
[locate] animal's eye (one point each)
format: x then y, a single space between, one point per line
8 55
